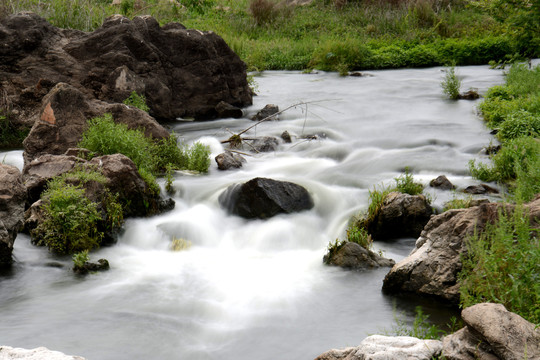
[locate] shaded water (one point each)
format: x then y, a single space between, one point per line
257 289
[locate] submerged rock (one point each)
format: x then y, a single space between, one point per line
266 113
263 198
351 255
492 332
88 267
12 203
379 347
442 183
264 144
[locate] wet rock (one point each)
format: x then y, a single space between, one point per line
182 73
442 182
229 160
266 113
379 347
63 117
89 267
401 215
225 110
480 189
432 267
492 332
263 198
12 202
286 137
353 256
10 353
469 95
264 144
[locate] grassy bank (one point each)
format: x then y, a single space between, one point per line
327 35
503 263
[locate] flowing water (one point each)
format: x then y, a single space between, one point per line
252 289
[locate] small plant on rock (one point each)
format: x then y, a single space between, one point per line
79 259
359 235
405 184
138 101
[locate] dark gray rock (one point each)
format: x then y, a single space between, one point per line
480 189
353 256
264 144
263 198
229 160
286 137
225 110
442 182
266 113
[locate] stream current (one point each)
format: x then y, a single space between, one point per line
254 289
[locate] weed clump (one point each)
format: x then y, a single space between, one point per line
451 84
138 101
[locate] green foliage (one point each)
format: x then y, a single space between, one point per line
451 84
405 184
458 203
263 11
332 248
79 259
136 100
196 157
359 235
169 171
376 200
520 124
71 221
502 265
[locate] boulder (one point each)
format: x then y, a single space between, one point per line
469 95
182 73
433 266
226 110
266 113
401 215
229 160
492 332
12 202
40 353
351 255
379 347
62 120
263 198
442 183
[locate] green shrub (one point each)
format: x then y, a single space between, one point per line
451 84
520 124
405 184
79 259
376 201
359 235
70 220
196 157
458 203
502 266
138 101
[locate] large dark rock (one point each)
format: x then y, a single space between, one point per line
401 215
351 255
263 198
432 267
229 160
12 200
182 73
62 118
492 332
442 182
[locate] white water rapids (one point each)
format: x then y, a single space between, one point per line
253 289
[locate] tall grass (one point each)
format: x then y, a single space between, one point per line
503 266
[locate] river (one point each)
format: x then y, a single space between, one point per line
253 289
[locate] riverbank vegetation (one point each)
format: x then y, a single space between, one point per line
502 265
331 35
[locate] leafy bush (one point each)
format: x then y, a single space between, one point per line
405 184
451 84
520 124
71 221
502 266
79 259
138 101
